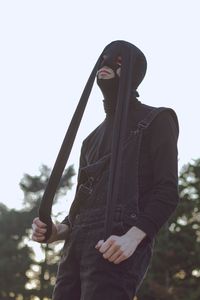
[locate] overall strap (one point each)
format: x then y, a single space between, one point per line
144 124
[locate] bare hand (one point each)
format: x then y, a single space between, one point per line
118 248
39 230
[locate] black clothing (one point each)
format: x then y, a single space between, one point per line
158 171
133 70
83 273
128 162
109 88
134 62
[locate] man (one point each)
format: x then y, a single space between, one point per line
127 188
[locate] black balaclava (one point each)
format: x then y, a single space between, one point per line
133 70
109 87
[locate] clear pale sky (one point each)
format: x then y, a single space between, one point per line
48 49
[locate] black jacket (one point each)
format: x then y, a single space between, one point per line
158 170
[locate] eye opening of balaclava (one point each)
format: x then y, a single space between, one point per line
133 70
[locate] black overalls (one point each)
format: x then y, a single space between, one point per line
83 273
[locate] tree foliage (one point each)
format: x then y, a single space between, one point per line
22 275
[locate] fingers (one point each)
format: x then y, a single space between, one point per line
115 256
109 247
99 244
38 238
39 223
107 244
39 230
113 249
120 258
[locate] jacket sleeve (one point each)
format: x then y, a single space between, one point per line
82 163
163 198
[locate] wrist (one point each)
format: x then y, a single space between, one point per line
136 234
61 231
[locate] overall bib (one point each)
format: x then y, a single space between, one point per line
83 273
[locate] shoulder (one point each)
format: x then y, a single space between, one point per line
92 134
157 116
164 128
165 119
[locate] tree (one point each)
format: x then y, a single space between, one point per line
15 255
22 276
